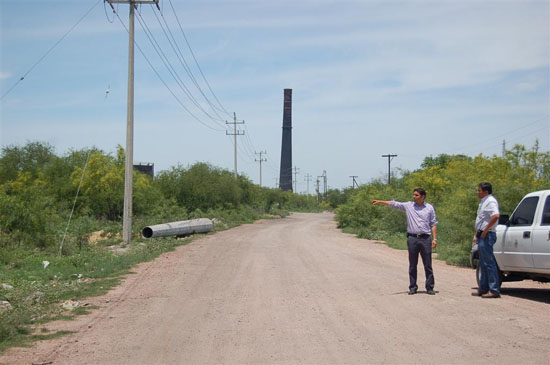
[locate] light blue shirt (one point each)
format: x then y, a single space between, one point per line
420 218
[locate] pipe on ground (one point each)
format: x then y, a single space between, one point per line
181 228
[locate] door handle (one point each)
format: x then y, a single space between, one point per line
527 234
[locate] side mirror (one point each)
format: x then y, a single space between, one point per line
504 219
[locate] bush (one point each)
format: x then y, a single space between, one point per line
451 186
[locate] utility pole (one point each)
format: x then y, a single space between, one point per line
307 178
390 158
354 182
317 182
260 161
326 185
296 172
235 134
325 182
503 148
276 182
324 176
129 163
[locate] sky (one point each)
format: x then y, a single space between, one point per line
369 78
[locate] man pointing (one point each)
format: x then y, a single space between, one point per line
421 222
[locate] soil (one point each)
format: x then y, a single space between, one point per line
297 290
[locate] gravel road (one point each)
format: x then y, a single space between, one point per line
297 290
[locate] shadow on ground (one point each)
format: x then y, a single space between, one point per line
539 295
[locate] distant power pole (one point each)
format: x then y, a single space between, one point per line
129 163
276 182
260 161
235 134
317 182
296 172
307 178
390 158
354 182
325 182
503 148
324 176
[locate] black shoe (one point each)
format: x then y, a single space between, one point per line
430 292
412 291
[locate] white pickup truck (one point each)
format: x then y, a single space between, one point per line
522 249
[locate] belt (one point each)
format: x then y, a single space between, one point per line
418 235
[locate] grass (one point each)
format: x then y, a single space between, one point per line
38 291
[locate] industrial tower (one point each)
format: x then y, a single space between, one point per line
285 177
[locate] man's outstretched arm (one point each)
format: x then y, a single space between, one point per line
381 202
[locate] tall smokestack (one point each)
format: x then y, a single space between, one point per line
285 178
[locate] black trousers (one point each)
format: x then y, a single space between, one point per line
422 246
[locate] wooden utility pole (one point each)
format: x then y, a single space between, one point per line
129 167
390 157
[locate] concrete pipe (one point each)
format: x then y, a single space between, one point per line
181 228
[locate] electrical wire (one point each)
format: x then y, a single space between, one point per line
164 82
501 135
477 144
196 62
74 202
170 68
50 50
179 54
107 15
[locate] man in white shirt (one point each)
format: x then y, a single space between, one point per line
485 237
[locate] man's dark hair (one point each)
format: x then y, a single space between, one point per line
486 186
420 191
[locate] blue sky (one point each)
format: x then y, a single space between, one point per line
412 78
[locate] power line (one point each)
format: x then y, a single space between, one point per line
173 43
165 84
196 62
50 50
171 68
499 137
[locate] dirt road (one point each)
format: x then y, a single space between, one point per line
297 290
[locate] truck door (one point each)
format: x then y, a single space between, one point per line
518 237
541 238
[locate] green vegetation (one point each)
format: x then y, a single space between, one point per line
37 193
451 186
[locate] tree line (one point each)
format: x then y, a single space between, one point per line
38 190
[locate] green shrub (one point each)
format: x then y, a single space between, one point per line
451 186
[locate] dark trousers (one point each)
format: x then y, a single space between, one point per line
422 246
